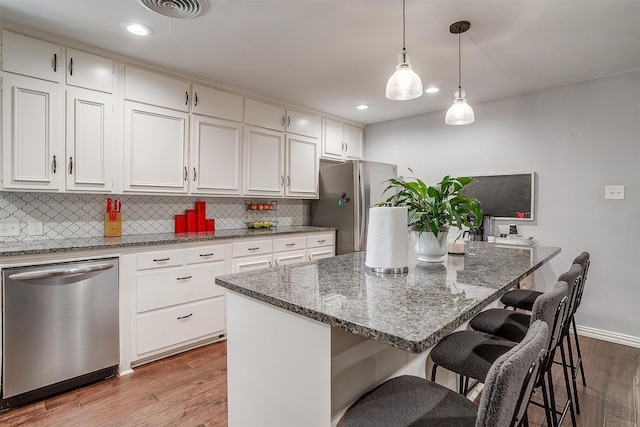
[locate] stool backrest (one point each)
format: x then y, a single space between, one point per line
584 260
511 379
550 307
573 277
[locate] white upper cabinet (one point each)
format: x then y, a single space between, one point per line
91 151
264 162
33 136
215 156
90 71
302 124
30 57
264 115
217 103
341 141
155 149
156 89
302 165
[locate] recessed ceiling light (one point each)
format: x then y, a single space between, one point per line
433 89
363 107
137 29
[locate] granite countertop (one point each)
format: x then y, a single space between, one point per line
37 247
409 311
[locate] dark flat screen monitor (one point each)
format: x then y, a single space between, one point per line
506 196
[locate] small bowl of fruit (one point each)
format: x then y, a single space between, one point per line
258 224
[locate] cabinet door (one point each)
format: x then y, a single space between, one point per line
33 138
216 156
303 124
352 142
264 162
155 149
332 141
250 263
89 71
216 103
302 167
31 57
156 89
264 115
91 149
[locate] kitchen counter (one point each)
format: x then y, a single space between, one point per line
38 247
328 331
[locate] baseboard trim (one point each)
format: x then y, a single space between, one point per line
613 337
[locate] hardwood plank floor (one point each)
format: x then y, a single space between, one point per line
190 389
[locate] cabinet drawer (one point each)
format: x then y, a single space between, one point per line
252 248
320 253
291 257
177 286
320 240
206 254
187 322
160 259
251 263
289 244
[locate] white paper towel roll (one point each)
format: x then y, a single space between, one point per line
387 239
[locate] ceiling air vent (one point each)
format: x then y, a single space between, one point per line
176 8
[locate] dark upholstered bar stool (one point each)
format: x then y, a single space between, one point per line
524 298
413 401
469 353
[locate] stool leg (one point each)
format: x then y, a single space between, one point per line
567 384
573 373
579 363
552 397
545 399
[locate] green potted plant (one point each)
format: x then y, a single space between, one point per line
433 210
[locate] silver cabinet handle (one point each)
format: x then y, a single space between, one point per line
71 66
55 164
270 265
54 63
288 180
321 241
184 317
282 180
253 249
282 120
195 99
205 255
63 272
184 278
289 245
187 101
70 165
186 174
277 265
161 259
288 121
194 175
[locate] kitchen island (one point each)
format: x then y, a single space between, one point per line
306 340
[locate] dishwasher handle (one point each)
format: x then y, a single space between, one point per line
62 272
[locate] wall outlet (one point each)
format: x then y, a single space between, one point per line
614 192
9 227
35 228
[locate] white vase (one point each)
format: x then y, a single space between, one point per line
431 248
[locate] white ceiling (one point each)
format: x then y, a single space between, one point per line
331 55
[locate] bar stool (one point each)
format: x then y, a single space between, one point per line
468 353
411 401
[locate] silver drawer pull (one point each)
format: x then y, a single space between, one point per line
253 249
185 317
184 278
161 259
321 241
203 255
290 244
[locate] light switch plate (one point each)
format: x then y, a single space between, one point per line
35 228
9 227
614 192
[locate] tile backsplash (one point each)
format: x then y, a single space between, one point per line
67 215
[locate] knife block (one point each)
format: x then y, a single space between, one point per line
112 228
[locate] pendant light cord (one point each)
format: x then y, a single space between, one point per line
459 66
404 49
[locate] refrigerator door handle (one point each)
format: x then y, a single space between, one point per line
362 223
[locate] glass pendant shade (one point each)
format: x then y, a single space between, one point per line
404 84
460 113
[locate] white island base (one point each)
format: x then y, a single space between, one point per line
285 369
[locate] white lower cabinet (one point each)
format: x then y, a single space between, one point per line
320 246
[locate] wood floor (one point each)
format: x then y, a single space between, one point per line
190 390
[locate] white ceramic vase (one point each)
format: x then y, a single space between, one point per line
431 248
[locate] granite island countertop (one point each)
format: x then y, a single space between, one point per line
40 247
409 311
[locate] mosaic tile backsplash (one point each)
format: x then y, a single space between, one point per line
81 215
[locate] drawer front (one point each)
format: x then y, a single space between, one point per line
289 244
206 254
320 253
320 240
173 326
250 263
177 286
160 259
290 257
252 248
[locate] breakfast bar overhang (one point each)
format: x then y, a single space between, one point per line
306 340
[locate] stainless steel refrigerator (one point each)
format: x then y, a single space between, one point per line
347 191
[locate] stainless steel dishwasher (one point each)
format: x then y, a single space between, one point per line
59 328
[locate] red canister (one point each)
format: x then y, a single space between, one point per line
211 225
180 223
192 225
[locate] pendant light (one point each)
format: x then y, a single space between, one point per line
404 84
460 113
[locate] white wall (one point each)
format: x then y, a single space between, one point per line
578 138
